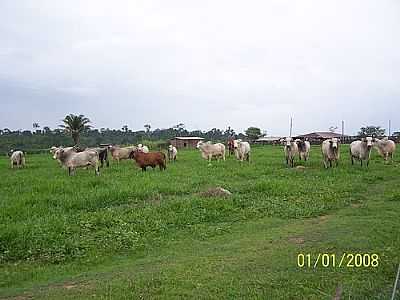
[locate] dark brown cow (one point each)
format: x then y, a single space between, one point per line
231 146
151 159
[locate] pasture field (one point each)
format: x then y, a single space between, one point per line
133 235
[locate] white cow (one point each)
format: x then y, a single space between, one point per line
119 153
304 149
143 148
209 150
330 151
361 150
291 150
73 160
385 148
17 158
242 150
172 152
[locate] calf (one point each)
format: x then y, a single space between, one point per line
172 152
361 150
151 159
242 150
17 158
385 148
304 149
291 150
73 160
330 152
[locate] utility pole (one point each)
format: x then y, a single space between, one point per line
291 127
342 131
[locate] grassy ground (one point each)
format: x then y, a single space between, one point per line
128 234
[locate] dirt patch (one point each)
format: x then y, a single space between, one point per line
215 192
296 240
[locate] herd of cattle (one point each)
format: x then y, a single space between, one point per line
73 158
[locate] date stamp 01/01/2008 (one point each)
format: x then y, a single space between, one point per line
332 260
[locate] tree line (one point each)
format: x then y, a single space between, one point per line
76 130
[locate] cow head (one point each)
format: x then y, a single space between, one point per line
369 141
199 144
288 142
170 147
236 143
334 142
58 153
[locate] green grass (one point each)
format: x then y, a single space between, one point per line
128 234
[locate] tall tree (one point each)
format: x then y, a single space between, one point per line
371 131
74 125
253 133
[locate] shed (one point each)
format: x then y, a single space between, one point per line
185 141
318 137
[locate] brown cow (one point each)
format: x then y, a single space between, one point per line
151 159
231 146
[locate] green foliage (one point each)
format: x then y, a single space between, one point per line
371 131
253 133
74 125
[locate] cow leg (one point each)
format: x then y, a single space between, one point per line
107 163
352 160
330 163
367 162
361 162
69 171
143 169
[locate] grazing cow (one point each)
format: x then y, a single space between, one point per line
361 150
172 152
150 159
118 153
143 148
209 150
330 151
103 155
242 150
231 146
73 160
54 149
17 158
291 150
385 148
304 149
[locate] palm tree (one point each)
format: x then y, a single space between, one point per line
36 127
75 125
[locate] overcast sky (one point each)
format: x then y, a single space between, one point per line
203 63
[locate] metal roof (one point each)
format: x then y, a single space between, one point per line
323 135
188 138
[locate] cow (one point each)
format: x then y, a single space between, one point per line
73 160
330 151
361 150
231 146
291 150
143 148
385 148
118 153
172 152
150 159
17 158
103 155
209 150
304 149
242 150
